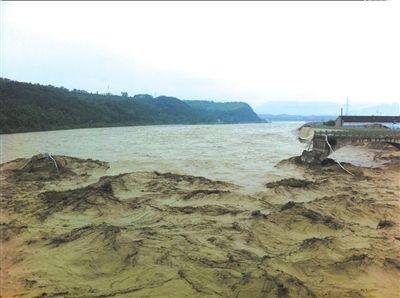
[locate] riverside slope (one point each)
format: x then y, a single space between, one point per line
32 107
77 232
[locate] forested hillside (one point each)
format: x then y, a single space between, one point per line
225 112
33 107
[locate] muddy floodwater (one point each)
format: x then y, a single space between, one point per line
195 211
244 154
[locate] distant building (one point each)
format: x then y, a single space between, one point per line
365 121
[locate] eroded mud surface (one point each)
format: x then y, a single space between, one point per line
74 232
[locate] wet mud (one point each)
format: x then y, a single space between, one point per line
73 231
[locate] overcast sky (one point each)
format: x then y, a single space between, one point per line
250 51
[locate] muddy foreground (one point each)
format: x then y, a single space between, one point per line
71 231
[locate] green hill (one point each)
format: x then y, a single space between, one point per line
33 107
225 112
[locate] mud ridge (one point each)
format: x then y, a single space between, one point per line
311 215
93 196
290 182
206 210
203 192
108 232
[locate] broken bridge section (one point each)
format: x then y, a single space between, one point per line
324 142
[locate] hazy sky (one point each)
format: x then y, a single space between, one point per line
251 51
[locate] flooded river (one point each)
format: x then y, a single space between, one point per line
244 154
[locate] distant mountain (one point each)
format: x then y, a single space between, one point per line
324 108
34 107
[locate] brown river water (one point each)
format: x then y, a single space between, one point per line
244 154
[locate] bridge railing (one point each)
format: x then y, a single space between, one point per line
360 133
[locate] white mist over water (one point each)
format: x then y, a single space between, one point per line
244 154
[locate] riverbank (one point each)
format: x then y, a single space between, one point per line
77 232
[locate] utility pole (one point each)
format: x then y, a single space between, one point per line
341 117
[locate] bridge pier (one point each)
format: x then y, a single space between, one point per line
312 156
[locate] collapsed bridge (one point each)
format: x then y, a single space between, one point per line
325 142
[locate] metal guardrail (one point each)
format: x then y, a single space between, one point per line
360 134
